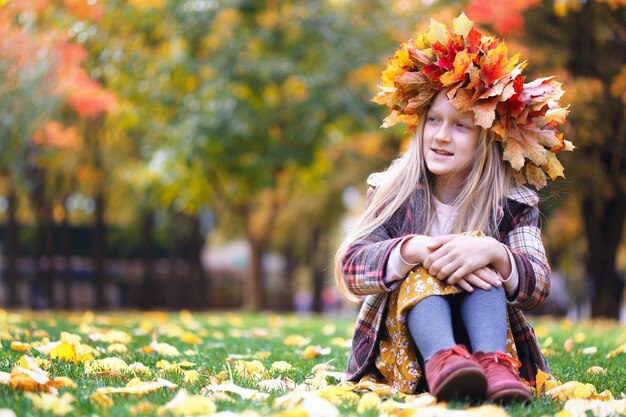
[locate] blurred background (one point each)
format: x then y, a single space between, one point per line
209 154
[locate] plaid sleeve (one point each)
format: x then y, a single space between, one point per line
524 241
365 263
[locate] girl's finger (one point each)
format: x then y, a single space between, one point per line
440 241
477 282
489 276
465 285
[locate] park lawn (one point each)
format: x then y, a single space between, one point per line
221 346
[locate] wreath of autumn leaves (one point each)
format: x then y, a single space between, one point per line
478 76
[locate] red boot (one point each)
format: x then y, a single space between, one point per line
503 381
455 373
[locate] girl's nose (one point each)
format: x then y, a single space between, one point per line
443 133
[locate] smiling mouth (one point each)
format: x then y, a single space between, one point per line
442 152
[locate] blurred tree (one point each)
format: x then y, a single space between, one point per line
27 100
274 79
585 43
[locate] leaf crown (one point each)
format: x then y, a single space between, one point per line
479 76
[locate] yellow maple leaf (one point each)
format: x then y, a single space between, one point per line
65 352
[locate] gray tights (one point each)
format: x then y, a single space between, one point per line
484 317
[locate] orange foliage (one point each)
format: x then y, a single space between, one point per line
26 49
506 17
83 10
53 134
84 95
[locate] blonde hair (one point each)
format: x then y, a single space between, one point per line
477 204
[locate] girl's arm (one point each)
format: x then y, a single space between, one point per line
364 264
524 241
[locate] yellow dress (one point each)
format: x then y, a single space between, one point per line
397 358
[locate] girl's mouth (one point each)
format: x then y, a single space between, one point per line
442 152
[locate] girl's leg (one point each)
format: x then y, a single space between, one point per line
485 318
430 325
450 370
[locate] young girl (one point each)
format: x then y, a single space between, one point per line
448 251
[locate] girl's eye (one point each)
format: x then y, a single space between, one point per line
432 119
462 125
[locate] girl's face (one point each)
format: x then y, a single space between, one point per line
450 139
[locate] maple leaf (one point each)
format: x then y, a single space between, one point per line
553 167
495 65
462 61
65 352
438 33
535 176
462 25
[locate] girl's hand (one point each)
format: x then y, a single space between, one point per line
416 249
483 278
456 257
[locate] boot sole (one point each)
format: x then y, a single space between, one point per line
508 396
463 383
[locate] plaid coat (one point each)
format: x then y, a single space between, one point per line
364 265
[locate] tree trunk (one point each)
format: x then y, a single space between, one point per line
173 280
291 264
12 248
66 254
318 265
147 255
99 250
604 224
44 275
253 291
198 276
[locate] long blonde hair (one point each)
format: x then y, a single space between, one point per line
478 202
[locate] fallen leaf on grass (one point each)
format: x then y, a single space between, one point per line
50 402
27 376
597 408
115 365
164 349
184 404
109 336
577 390
620 350
296 340
21 346
591 350
369 401
250 369
245 393
596 370
281 367
190 338
137 387
315 351
101 399
545 382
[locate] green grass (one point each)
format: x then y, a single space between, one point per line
241 335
